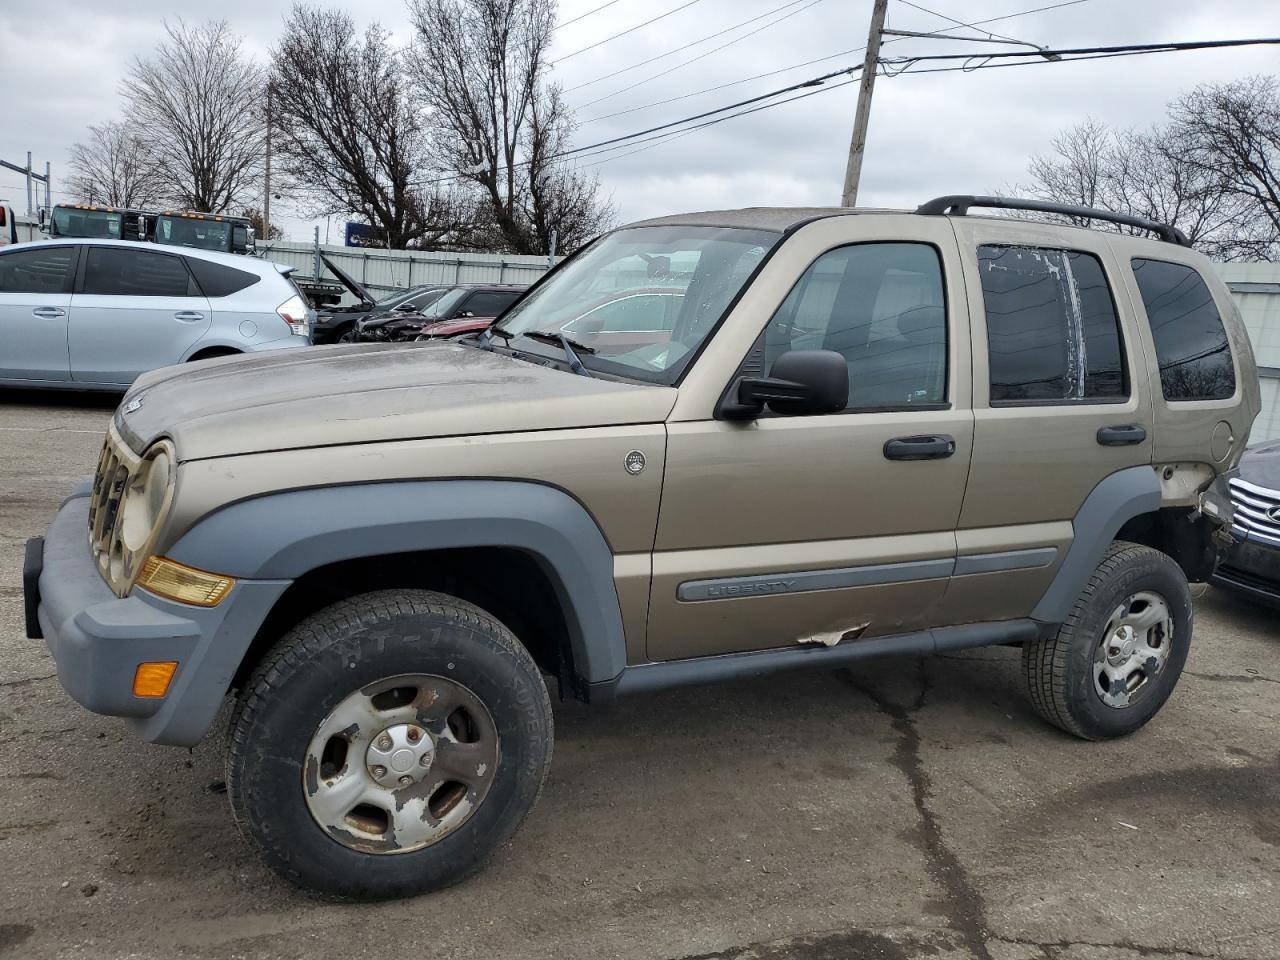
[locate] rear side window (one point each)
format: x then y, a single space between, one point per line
1191 344
1052 331
114 272
489 303
218 280
42 270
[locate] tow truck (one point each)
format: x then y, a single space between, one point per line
205 231
94 222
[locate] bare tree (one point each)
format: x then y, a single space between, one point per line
1232 137
114 166
254 216
199 100
1146 173
351 136
481 68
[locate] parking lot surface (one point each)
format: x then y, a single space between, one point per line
908 809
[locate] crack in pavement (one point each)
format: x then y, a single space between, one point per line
1231 677
22 682
1052 947
965 908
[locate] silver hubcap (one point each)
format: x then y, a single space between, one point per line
1134 649
400 763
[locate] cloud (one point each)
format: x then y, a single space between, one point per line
930 133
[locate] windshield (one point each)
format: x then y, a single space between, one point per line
203 234
94 224
643 299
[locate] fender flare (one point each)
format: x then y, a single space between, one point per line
1117 499
283 536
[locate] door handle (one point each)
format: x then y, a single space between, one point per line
1122 436
188 316
920 448
48 313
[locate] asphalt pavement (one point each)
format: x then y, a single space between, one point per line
904 810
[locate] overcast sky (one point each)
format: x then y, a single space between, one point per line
930 134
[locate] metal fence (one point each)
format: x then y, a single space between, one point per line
384 271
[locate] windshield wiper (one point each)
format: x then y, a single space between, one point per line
555 336
494 330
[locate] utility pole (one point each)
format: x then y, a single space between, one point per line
266 184
30 175
858 144
48 179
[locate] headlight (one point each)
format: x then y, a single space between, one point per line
144 504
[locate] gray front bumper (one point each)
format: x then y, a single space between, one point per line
98 639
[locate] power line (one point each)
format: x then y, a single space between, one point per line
623 33
666 138
756 104
903 64
797 66
710 36
812 82
587 14
701 56
722 86
958 23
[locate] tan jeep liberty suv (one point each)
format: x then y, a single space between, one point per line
832 434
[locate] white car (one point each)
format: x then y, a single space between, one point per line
96 314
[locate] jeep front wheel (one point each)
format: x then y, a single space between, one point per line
388 744
1112 665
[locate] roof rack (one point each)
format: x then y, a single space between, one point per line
959 204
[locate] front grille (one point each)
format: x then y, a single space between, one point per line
1252 505
116 466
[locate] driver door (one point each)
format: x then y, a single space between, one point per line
823 528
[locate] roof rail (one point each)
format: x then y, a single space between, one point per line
959 204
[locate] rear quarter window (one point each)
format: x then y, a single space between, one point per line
218 280
1191 342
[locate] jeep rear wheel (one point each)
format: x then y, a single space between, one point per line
1112 665
388 744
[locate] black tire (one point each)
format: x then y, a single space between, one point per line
346 335
334 653
1059 672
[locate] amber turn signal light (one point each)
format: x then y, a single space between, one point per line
176 581
152 679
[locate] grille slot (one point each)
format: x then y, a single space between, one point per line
1252 505
116 466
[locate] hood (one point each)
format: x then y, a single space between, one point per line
363 393
1260 465
348 281
454 328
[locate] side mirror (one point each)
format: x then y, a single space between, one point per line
801 382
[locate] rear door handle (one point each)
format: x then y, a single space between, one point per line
48 313
1122 436
920 448
188 316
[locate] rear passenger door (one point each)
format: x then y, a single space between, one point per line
35 299
1061 400
133 311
